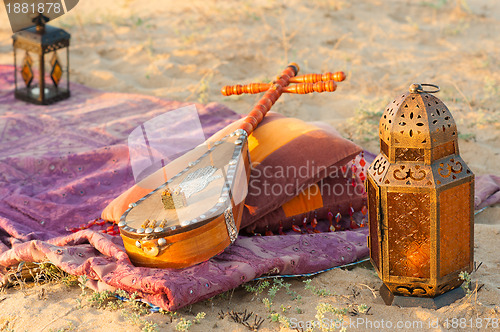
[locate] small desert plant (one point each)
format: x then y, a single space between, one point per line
363 308
268 304
69 328
256 288
149 327
134 314
439 4
465 276
51 273
318 291
82 281
363 126
281 319
136 318
203 88
338 321
185 325
100 300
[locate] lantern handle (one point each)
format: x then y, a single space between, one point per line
418 88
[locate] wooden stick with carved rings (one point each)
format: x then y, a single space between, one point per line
338 76
272 94
301 88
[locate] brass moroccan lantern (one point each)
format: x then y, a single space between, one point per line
41 74
420 203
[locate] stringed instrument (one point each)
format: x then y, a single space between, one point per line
196 213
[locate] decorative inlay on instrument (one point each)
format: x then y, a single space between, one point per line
197 213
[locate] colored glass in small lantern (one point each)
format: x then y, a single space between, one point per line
420 203
41 63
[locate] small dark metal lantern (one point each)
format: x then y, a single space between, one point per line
420 203
41 76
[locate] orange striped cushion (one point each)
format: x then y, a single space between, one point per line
334 193
288 155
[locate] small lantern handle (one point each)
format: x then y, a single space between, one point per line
418 88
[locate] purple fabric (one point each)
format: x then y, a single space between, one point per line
61 165
106 264
487 191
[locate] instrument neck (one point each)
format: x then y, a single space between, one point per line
260 110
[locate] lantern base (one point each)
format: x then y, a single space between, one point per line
425 302
52 96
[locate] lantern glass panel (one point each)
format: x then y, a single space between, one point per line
384 148
454 229
443 150
409 154
26 70
56 73
409 234
28 73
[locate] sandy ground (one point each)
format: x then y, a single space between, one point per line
188 50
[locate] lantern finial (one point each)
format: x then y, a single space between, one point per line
418 88
40 20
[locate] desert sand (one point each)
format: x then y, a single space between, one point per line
188 50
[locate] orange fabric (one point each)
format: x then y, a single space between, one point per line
308 200
276 134
119 205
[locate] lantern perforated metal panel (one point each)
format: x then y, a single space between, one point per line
420 199
41 61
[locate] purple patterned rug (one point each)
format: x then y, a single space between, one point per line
61 165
